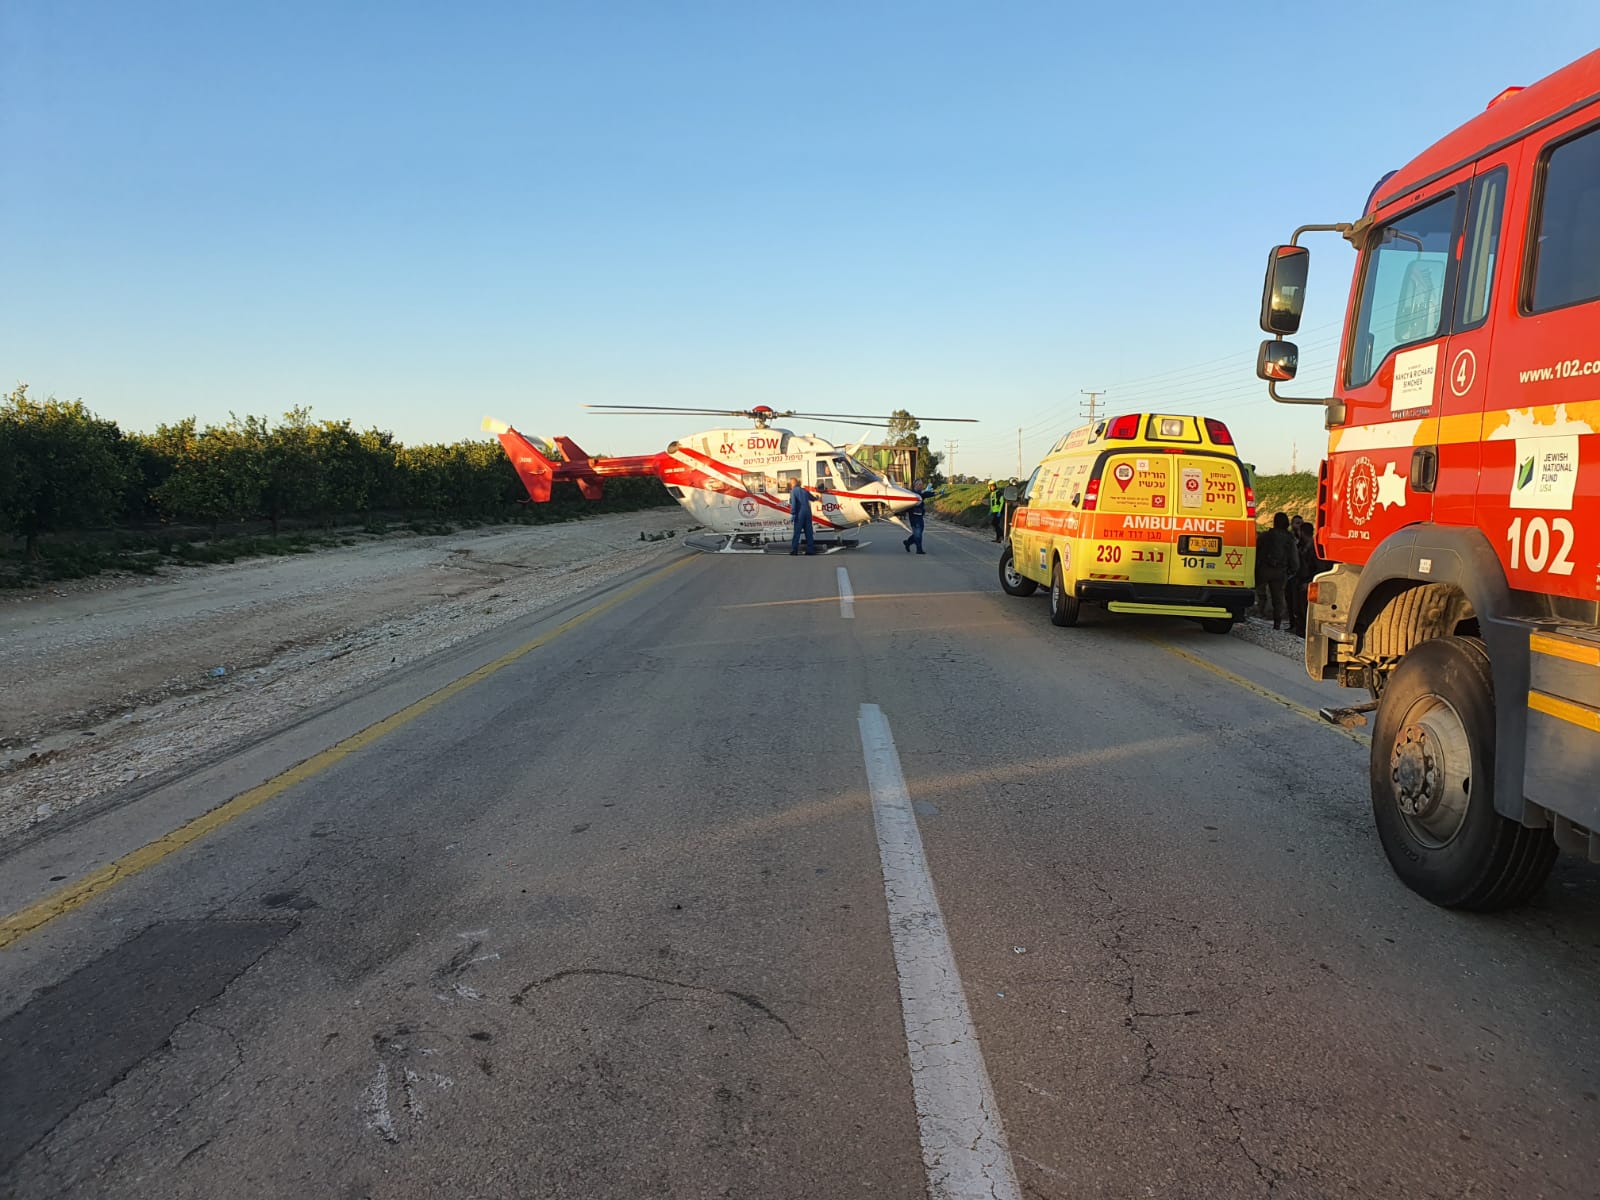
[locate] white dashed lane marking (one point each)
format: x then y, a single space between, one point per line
963 1140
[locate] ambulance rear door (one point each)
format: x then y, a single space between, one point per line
1128 540
1212 534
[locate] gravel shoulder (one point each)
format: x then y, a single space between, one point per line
106 682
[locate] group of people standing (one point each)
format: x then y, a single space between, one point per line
1286 563
800 517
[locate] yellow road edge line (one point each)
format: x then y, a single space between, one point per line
1541 643
834 599
1565 710
1309 714
78 893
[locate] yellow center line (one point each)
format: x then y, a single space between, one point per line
1301 710
78 893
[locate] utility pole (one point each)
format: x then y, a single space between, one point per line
1091 407
950 448
1294 458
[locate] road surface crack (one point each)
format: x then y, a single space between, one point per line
749 1000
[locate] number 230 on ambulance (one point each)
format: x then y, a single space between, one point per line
1143 513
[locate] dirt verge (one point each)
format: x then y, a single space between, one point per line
108 681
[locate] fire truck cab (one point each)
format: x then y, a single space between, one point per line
1460 498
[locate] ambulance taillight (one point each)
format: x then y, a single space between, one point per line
1218 432
1249 501
1125 426
1091 495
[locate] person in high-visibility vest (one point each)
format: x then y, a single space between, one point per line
997 503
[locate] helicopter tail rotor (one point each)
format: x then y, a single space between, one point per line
535 470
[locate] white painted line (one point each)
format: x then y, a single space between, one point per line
376 1101
963 1141
847 598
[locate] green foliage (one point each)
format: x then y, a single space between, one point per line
66 472
965 504
905 430
215 474
61 467
1286 493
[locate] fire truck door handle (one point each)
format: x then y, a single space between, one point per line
1424 468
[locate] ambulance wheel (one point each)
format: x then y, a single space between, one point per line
1433 761
1064 606
1217 624
1013 583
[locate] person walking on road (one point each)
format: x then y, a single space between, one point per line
800 514
997 504
918 516
1277 561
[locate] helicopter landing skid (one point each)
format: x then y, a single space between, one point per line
824 546
749 543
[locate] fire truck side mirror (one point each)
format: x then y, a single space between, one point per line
1284 296
1276 361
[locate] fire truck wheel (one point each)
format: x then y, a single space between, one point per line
1217 624
1064 606
1014 584
1433 784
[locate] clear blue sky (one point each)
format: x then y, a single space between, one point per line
413 215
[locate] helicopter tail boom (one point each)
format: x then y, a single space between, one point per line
538 466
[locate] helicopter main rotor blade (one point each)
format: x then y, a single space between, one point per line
774 415
613 409
878 420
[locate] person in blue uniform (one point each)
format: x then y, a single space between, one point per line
918 516
800 514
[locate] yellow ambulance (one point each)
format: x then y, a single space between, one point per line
1142 513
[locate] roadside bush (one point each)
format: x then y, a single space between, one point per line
61 468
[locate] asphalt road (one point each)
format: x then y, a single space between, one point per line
638 906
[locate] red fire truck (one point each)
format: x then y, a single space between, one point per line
1460 500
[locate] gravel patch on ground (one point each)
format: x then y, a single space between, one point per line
1280 641
106 682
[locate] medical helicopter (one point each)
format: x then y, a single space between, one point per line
734 482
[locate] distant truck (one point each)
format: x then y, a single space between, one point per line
1142 513
1460 499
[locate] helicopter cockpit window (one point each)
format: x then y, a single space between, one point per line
852 473
824 475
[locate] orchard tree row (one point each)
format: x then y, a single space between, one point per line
64 470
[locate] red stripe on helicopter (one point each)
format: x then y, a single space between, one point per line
738 491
